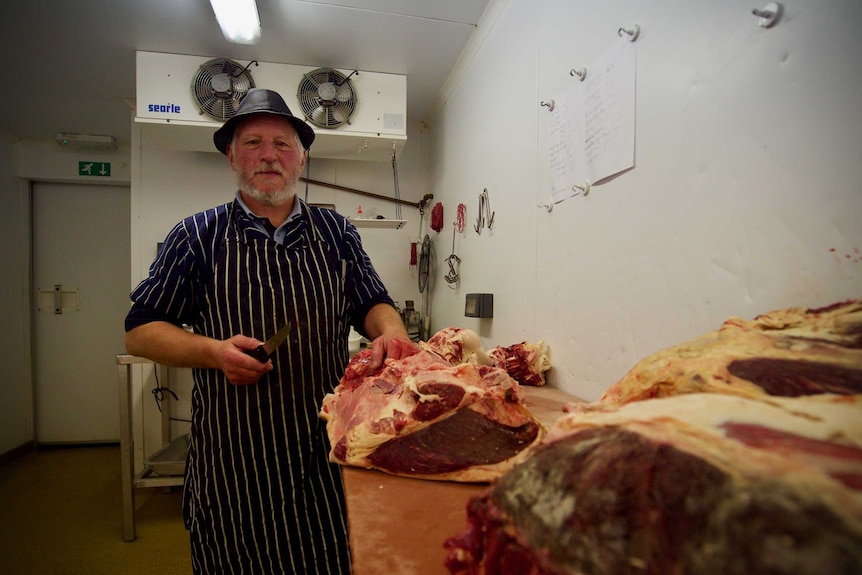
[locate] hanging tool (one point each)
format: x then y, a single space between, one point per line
424 263
486 216
395 177
453 260
437 217
414 260
414 245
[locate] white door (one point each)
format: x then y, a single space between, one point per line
81 262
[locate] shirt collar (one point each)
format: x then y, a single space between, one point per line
281 231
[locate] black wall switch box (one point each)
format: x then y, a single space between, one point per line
479 305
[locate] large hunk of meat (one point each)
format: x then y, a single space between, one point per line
423 417
789 352
739 452
694 484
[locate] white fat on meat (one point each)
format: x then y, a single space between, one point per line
787 352
457 345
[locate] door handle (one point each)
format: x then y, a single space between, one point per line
56 300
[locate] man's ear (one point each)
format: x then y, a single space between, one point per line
229 154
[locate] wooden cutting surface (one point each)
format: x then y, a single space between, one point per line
398 525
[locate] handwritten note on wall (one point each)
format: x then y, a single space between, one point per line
592 128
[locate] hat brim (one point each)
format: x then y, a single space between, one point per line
224 135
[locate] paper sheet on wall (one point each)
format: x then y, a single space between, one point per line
592 129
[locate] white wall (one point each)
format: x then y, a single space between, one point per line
745 196
46 161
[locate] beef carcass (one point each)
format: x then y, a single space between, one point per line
694 484
422 417
789 352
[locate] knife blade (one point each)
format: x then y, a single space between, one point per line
262 352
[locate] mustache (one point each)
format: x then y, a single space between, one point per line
270 167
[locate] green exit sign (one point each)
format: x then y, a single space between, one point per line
96 169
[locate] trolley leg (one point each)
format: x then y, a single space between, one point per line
127 458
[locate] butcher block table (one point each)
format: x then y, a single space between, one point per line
399 525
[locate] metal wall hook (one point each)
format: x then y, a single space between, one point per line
768 15
486 216
549 104
582 190
488 211
579 72
632 33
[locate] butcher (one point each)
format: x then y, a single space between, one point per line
260 495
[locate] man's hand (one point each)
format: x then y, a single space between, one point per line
390 339
394 346
239 367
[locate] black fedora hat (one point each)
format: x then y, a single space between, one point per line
261 101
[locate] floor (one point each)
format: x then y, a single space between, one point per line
61 513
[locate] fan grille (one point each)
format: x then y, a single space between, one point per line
327 98
218 87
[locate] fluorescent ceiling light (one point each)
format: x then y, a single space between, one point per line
86 141
238 20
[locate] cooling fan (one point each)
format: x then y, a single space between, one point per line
218 87
326 97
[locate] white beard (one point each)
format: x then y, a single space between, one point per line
274 199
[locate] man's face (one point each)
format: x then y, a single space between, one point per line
267 158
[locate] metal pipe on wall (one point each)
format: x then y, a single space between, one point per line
418 205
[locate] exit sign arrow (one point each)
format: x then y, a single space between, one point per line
95 169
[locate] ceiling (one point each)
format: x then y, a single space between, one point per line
70 64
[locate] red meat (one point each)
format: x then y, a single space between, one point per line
694 484
422 417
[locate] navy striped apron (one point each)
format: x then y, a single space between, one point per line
260 494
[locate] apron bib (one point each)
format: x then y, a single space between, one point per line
260 493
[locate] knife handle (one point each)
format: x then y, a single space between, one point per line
259 353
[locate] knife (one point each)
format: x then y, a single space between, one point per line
262 352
